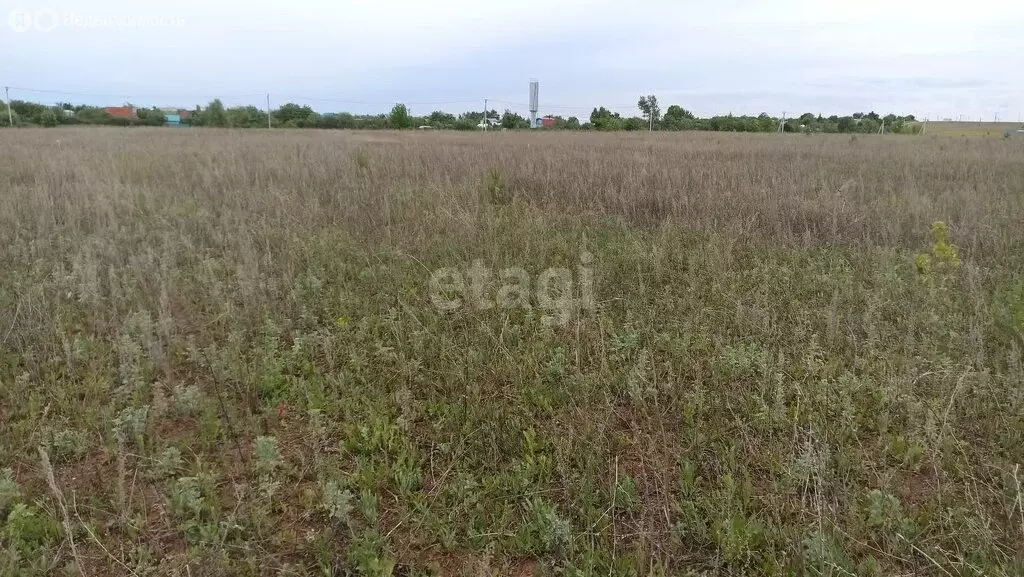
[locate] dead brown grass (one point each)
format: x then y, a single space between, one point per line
767 384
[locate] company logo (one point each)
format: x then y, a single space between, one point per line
20 20
46 20
556 292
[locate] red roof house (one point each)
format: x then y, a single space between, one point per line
125 112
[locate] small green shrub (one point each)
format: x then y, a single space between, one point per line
627 495
369 557
130 425
337 501
497 191
29 531
9 490
168 463
67 445
944 256
187 400
268 456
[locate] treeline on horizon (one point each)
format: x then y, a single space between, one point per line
292 115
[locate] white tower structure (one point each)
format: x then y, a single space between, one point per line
534 102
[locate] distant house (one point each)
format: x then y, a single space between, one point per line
489 123
548 121
175 117
122 112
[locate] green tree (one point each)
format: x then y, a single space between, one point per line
649 107
468 120
48 118
604 119
512 120
214 115
4 120
151 117
440 119
677 117
29 112
869 125
292 115
92 115
635 123
246 117
766 123
312 120
399 117
329 120
346 120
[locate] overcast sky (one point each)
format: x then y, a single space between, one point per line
934 58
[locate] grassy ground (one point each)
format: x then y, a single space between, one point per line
221 354
972 129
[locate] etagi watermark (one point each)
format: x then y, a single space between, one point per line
558 292
47 20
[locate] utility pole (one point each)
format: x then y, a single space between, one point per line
485 115
7 96
268 111
782 122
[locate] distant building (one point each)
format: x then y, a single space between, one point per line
172 116
548 121
489 123
123 112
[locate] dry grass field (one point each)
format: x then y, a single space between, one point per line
221 353
972 129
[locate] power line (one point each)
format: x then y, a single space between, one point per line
135 94
373 103
249 95
300 98
629 107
